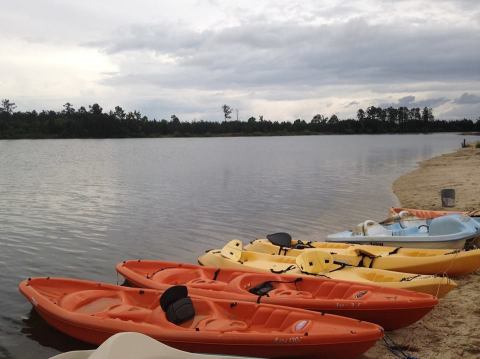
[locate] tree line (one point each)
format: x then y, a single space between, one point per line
95 123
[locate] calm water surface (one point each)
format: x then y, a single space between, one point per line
77 207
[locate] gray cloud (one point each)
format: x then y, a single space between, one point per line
406 101
352 103
288 54
467 99
409 101
472 111
289 57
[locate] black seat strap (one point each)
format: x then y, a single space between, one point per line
290 267
264 288
395 251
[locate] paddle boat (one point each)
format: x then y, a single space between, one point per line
450 231
131 345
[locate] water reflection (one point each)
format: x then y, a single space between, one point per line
36 329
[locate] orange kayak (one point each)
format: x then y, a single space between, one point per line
429 214
92 312
391 308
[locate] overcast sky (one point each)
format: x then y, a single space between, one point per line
283 59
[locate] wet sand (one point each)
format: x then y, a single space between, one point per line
451 330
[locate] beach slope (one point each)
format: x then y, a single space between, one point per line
451 329
459 170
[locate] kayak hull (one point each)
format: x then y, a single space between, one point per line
409 260
261 262
93 312
423 213
387 307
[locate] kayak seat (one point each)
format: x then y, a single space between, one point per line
314 261
205 283
233 250
187 276
281 239
290 293
90 301
129 312
180 311
176 276
221 325
177 305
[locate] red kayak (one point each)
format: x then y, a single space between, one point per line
92 312
391 308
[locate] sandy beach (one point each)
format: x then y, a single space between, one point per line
451 329
459 170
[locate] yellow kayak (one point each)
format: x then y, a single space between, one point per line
321 263
410 260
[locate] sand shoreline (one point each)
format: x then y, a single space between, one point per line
451 329
459 170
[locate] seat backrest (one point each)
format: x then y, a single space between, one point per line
281 239
177 305
180 311
233 250
314 261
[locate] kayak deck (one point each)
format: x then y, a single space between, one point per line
233 256
93 312
410 260
356 300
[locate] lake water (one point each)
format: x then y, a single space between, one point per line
77 207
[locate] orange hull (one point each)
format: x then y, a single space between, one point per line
92 312
391 308
423 213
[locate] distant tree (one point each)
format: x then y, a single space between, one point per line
7 106
427 114
95 109
94 123
119 113
227 111
137 115
372 113
361 115
68 109
319 119
402 114
333 120
175 119
382 114
392 115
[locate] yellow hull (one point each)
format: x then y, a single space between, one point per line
261 262
410 260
